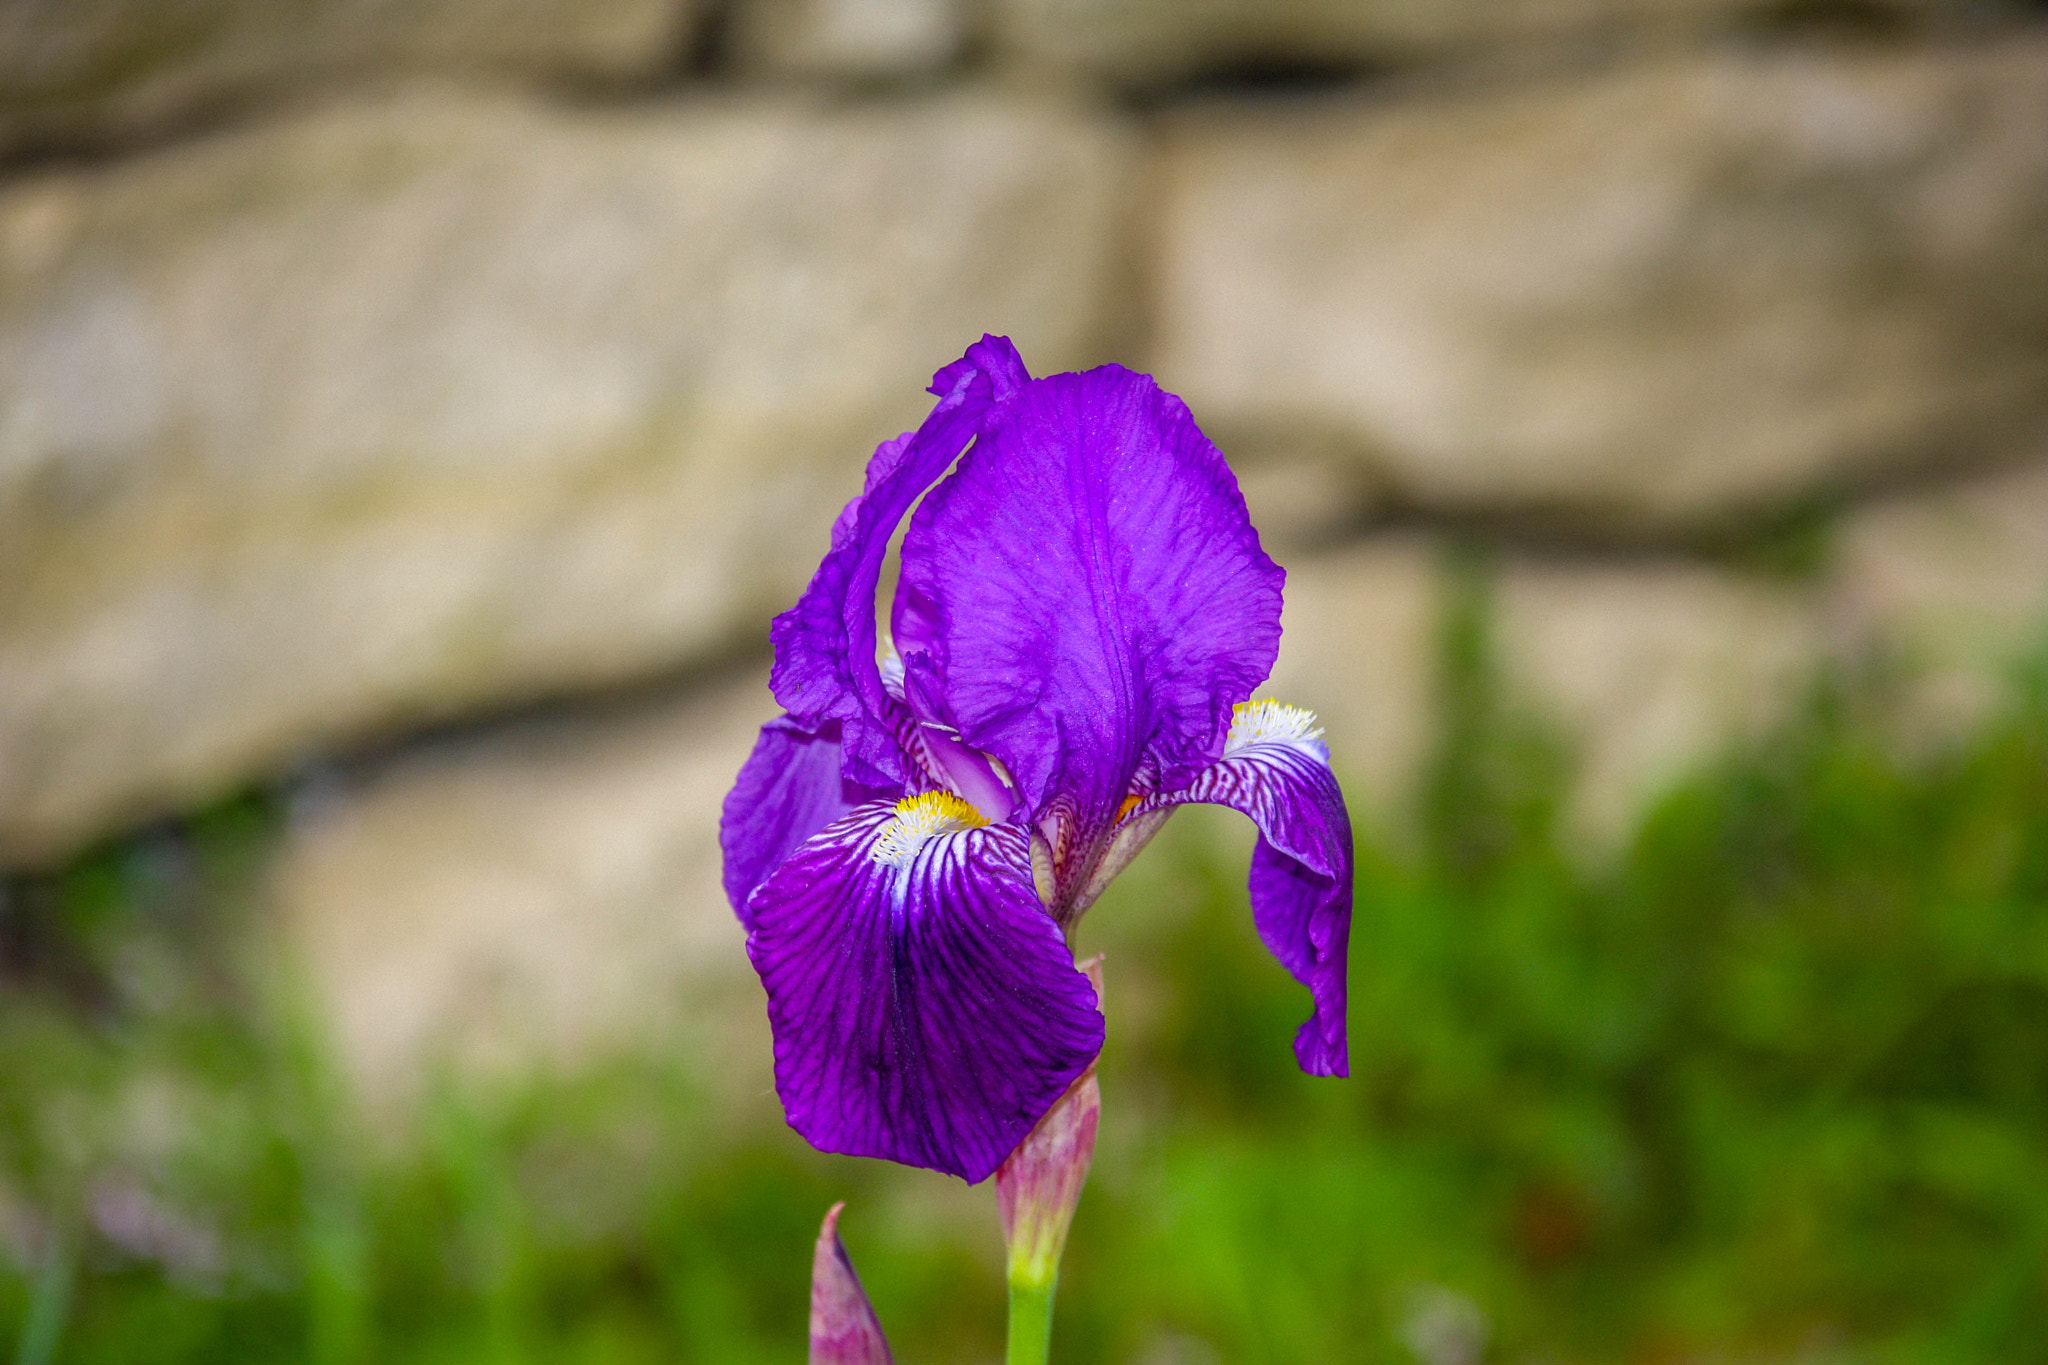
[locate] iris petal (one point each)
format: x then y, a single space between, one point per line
825 645
1301 872
788 789
925 1007
1304 919
1090 590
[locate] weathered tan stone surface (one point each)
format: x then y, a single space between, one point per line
99 68
1954 571
1154 39
530 897
409 408
1650 297
848 38
1649 669
1646 666
1951 583
1358 647
1305 501
1643 669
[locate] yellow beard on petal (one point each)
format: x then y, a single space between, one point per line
1266 721
922 817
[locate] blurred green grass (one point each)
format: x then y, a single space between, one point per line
1769 1084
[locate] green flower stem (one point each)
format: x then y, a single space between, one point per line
1037 1187
1030 1319
42 1329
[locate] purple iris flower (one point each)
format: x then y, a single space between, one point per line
1082 614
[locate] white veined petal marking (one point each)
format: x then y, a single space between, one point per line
890 666
1270 722
919 819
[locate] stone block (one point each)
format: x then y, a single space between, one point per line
406 409
100 69
1645 671
1671 295
1358 647
1149 41
848 39
1641 669
1951 585
536 895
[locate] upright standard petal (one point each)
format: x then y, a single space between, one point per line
789 788
1091 592
844 1329
1276 770
825 645
924 1005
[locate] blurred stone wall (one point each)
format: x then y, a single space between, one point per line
424 406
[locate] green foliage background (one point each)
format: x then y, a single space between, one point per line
1771 1084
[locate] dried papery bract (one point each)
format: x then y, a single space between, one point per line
844 1329
1037 1188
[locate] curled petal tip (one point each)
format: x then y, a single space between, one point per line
844 1329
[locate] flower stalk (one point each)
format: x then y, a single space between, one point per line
1082 615
1037 1189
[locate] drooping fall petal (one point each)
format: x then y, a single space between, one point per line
924 1005
1276 770
1304 919
844 1329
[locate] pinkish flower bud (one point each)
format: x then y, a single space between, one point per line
1039 1184
844 1330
